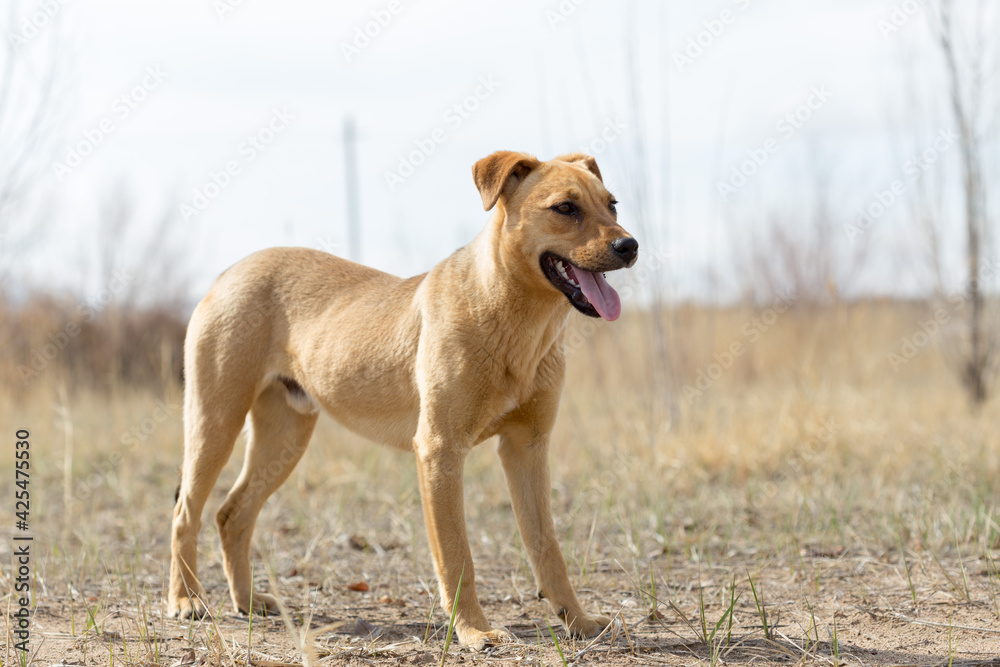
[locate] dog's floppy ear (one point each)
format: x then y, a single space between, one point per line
587 161
493 172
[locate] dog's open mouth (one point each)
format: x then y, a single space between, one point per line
588 291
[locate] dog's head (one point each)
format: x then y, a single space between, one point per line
560 222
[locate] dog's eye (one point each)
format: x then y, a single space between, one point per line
613 205
566 208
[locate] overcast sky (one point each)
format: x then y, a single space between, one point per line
261 90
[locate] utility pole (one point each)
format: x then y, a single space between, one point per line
351 178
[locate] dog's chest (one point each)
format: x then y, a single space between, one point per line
515 364
520 379
508 407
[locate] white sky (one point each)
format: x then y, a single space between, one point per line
558 88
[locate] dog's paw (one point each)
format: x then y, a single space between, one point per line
263 605
187 607
479 640
588 626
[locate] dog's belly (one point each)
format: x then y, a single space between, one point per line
392 430
395 429
380 405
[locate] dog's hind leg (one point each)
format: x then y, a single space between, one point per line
282 419
210 431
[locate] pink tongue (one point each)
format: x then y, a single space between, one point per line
599 293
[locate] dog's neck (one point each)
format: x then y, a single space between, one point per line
509 287
510 277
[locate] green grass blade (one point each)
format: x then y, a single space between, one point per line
760 608
558 646
451 621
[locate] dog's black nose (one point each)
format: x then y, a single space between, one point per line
626 247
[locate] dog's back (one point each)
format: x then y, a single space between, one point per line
283 312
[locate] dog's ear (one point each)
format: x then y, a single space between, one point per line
587 161
492 173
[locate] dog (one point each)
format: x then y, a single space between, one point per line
433 364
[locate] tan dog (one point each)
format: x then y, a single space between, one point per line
435 364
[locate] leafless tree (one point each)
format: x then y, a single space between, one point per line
967 44
800 251
149 248
31 76
651 197
645 193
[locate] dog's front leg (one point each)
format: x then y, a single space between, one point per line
439 465
524 452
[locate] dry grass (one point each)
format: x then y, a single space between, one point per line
861 502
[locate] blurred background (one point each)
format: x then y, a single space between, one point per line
807 360
835 152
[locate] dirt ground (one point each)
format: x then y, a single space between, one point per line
810 507
823 605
